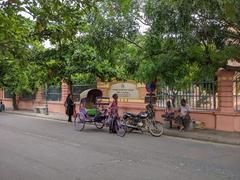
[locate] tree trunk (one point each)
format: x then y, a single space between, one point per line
14 101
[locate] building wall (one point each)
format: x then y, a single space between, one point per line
57 107
26 104
208 117
8 103
228 122
224 118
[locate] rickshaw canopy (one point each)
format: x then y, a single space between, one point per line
93 97
90 95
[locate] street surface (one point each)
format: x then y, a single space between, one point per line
41 149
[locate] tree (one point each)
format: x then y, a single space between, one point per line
89 38
189 40
17 47
84 36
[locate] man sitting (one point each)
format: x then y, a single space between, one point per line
183 119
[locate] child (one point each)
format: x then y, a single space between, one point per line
169 113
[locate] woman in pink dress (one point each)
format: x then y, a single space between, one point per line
113 113
113 107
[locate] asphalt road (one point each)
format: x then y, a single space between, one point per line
41 149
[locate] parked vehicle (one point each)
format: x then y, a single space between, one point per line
93 110
144 120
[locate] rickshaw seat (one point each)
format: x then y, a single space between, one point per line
92 112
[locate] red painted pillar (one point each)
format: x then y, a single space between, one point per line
39 100
226 118
1 94
225 91
65 91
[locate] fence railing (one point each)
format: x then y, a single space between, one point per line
201 95
7 93
54 93
25 96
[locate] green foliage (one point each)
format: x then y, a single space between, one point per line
189 40
86 37
17 47
78 79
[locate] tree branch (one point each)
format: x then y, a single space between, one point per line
143 21
3 83
132 42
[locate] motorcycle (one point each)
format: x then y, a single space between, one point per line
144 120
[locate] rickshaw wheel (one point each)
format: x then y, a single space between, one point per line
99 125
120 127
79 122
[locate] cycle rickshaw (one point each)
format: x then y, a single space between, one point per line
93 110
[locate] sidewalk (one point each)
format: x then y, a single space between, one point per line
198 134
51 115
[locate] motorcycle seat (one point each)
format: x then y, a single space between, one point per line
131 114
142 114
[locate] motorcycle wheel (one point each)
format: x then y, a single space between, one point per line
79 122
155 128
121 128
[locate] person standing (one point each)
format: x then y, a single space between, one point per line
2 106
70 107
113 113
113 107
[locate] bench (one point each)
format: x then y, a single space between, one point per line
40 109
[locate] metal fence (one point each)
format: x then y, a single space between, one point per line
201 95
8 93
78 89
26 96
236 92
54 93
